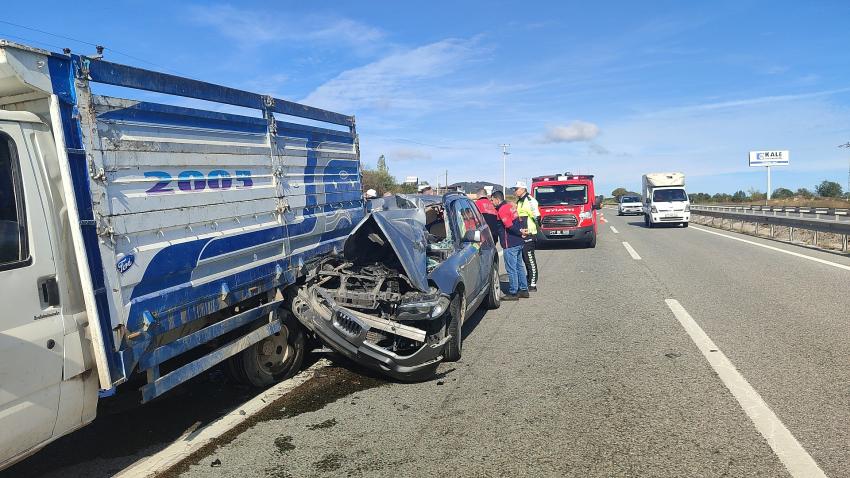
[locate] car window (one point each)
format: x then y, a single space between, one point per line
561 195
13 236
465 216
668 195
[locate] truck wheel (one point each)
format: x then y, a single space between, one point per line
454 347
591 243
494 296
272 359
684 224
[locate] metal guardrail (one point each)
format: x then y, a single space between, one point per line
824 211
773 218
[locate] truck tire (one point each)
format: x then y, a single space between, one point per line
684 224
454 322
494 295
272 359
591 243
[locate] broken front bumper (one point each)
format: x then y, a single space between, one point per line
347 332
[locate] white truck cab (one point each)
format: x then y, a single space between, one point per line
665 200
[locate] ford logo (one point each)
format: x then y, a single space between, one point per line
125 263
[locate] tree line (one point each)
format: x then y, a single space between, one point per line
826 189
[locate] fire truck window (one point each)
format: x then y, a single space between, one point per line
13 245
561 195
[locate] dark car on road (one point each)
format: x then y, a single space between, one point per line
409 275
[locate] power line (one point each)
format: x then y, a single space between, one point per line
64 37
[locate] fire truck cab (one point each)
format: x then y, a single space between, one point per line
568 206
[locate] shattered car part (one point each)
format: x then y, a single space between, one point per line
385 302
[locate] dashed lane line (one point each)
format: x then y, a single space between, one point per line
632 251
772 248
614 230
796 459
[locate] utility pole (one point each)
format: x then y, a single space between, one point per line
505 154
847 145
447 180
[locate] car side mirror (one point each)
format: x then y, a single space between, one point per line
598 203
472 236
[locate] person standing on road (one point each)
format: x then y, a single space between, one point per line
529 214
511 237
485 207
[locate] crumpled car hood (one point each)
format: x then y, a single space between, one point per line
378 238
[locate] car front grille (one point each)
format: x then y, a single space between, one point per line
560 220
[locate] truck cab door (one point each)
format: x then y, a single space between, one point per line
31 328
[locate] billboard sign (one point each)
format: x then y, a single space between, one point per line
769 158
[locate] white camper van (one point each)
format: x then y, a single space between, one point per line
665 200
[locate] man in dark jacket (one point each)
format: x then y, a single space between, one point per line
485 207
511 237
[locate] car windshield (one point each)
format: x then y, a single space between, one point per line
565 194
669 195
630 199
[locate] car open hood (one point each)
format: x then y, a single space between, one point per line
393 239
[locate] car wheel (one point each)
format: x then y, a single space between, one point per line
454 321
272 359
591 243
494 296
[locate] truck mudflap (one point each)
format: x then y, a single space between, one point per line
349 332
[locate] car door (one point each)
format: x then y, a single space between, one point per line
469 258
486 249
30 324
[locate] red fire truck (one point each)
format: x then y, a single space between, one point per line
568 206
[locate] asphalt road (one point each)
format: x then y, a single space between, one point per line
593 376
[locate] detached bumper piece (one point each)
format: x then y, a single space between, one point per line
355 335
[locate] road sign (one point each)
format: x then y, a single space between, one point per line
769 158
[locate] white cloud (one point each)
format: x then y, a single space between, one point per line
409 154
397 81
572 132
759 100
255 28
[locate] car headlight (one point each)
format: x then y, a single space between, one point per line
442 305
654 209
586 215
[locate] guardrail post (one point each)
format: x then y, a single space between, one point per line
816 238
791 234
772 230
844 243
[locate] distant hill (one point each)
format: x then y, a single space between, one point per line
472 186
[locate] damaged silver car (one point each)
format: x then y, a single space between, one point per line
410 273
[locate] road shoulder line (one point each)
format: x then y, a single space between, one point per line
193 440
796 459
631 250
772 248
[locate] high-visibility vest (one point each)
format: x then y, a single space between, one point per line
527 208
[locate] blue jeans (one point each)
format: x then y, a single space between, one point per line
517 279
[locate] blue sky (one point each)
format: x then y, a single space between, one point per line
610 88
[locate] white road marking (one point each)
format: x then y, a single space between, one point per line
796 254
632 251
193 439
614 230
796 459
